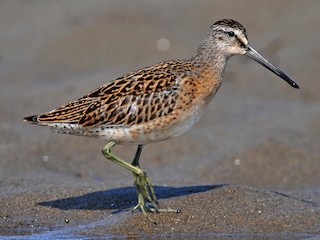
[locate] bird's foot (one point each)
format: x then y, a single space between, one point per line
147 200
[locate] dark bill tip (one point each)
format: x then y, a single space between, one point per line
295 85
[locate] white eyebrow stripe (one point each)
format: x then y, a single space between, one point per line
241 37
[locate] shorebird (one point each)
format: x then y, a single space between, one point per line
155 103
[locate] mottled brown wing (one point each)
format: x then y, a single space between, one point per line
132 99
129 110
135 98
69 113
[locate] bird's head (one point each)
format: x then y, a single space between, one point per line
228 37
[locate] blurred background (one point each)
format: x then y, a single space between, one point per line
258 131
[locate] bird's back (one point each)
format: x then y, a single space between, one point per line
151 104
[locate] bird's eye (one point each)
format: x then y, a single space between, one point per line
230 34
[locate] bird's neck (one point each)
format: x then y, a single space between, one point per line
211 61
210 65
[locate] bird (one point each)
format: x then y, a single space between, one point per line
155 103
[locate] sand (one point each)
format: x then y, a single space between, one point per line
249 169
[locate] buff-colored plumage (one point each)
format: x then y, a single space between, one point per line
151 104
156 102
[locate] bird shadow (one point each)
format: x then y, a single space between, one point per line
120 199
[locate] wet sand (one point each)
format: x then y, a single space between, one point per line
249 169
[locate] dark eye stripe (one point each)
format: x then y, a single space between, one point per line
232 34
240 42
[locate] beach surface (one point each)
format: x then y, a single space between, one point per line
249 169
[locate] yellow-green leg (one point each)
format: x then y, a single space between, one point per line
147 200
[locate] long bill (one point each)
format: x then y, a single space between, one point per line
264 62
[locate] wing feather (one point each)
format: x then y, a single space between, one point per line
135 98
